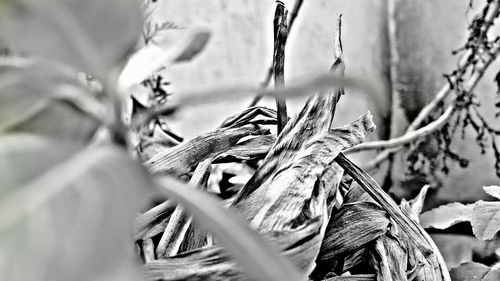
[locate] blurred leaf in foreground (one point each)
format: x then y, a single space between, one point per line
72 221
92 35
45 98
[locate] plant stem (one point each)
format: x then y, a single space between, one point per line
280 36
269 73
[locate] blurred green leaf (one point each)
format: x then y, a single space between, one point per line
486 219
445 216
259 259
92 35
471 271
45 98
72 221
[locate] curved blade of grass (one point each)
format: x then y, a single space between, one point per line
304 86
245 245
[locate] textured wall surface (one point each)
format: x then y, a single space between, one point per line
241 46
426 32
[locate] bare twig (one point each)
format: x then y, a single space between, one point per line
280 36
409 137
412 134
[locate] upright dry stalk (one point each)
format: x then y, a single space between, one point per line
280 36
269 73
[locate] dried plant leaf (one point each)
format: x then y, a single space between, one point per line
447 215
493 190
212 263
357 277
182 159
285 197
351 228
390 260
485 219
373 189
251 149
313 120
471 271
243 244
435 265
179 222
249 115
416 204
153 218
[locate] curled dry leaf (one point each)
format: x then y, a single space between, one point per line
471 271
243 244
351 228
493 190
182 159
250 149
445 216
299 158
152 222
485 219
304 253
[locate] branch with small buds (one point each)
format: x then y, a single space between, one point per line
479 54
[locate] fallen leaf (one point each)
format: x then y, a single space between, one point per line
445 216
486 219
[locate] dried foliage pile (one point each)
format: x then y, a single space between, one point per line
305 198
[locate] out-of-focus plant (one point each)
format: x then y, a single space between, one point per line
68 197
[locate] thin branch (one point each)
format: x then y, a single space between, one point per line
280 36
395 145
409 137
